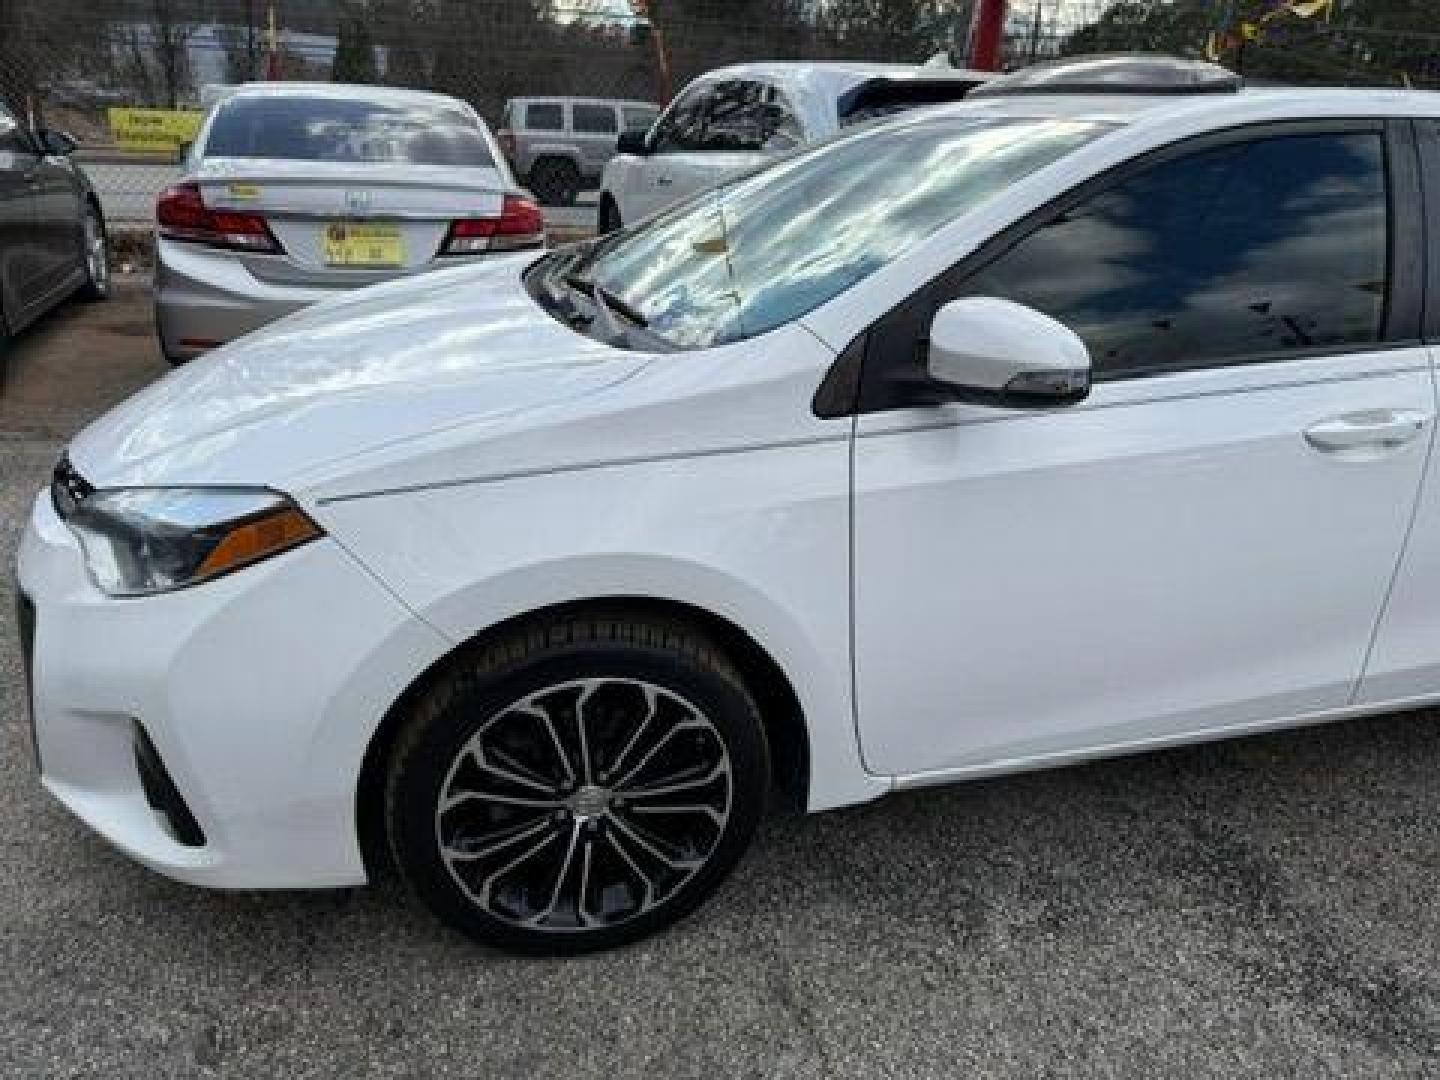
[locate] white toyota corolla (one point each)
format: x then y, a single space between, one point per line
996 436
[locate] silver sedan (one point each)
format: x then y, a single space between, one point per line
296 191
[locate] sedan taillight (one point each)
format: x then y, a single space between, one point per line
519 226
181 214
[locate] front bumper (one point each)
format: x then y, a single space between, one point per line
258 692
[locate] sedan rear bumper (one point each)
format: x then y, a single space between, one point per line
206 297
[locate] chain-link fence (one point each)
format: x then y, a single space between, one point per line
129 77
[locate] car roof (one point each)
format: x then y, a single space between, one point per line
339 91
1250 103
835 78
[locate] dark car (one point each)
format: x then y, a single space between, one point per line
52 230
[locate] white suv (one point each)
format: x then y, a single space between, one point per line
738 117
558 145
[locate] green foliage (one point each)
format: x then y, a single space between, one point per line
1362 42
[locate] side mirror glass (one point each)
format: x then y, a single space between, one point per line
635 143
989 351
57 143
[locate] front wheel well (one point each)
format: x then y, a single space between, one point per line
785 729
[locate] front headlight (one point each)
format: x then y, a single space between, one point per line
139 541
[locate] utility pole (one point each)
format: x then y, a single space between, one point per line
272 64
986 29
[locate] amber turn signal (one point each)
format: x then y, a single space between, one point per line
257 539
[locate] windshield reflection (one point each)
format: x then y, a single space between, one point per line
771 246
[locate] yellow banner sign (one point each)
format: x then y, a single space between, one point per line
154 129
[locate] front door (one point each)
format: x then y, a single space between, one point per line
677 164
1206 542
19 272
59 222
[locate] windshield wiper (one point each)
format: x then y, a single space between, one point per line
601 295
621 307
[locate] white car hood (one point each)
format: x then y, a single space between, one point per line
371 368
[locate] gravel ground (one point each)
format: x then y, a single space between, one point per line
1260 908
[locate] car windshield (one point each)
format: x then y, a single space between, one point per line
347 129
770 246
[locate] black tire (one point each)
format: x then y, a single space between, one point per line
95 256
609 221
555 182
610 668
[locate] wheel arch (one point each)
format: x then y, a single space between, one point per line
786 731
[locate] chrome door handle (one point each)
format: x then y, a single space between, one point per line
1379 429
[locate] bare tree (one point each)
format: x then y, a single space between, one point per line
157 51
243 42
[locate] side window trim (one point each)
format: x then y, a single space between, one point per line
1427 132
1405 302
777 94
889 382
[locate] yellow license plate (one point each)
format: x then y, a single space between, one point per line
351 243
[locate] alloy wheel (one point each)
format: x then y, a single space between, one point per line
97 257
584 805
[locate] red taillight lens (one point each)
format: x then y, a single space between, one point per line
181 214
519 226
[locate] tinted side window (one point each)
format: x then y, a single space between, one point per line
545 116
594 119
682 128
736 120
1239 252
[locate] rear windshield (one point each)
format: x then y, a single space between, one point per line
347 129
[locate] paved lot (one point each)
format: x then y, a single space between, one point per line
1265 908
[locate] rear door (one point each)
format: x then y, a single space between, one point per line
1204 544
1405 660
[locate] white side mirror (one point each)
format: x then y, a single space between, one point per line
995 352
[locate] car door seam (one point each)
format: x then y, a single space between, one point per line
1420 488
